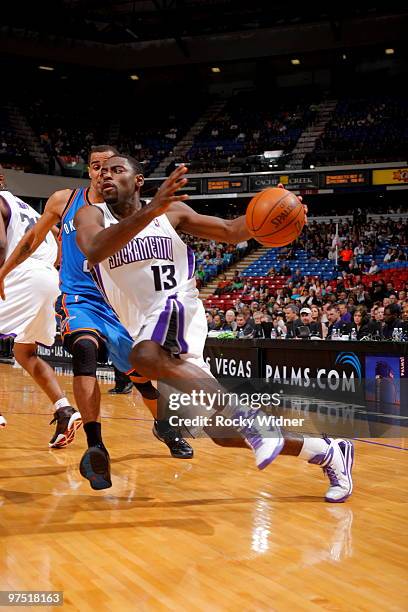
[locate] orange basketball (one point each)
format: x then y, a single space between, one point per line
275 217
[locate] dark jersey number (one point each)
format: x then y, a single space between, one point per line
164 277
28 221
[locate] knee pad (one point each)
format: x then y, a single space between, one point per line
84 357
147 390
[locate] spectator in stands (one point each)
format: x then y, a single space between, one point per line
210 322
392 319
345 316
279 323
389 290
297 279
244 328
405 313
361 323
292 320
373 267
236 282
242 248
217 322
317 317
285 270
307 321
229 324
388 256
334 321
345 256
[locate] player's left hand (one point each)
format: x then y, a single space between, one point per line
282 186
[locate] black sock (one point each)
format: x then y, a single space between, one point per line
93 434
163 426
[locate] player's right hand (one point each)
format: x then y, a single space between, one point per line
166 192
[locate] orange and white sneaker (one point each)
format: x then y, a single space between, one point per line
3 421
68 420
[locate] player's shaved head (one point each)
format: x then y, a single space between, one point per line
136 165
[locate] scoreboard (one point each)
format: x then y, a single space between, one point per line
345 179
226 185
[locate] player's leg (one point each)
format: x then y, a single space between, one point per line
67 418
334 456
29 311
170 436
95 463
123 384
119 345
80 323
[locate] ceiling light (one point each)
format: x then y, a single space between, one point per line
389 51
311 166
134 77
295 61
215 69
50 68
344 56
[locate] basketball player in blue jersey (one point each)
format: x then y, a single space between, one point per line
89 327
137 250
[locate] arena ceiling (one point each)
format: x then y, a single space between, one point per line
150 33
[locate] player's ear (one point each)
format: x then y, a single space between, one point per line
139 179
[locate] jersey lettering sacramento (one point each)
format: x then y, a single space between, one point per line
141 249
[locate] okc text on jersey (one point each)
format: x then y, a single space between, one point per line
140 249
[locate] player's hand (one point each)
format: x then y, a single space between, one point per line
166 192
282 186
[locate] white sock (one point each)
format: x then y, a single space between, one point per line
312 447
61 403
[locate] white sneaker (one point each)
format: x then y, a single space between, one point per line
265 440
3 421
337 464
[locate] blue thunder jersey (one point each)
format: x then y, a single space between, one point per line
75 278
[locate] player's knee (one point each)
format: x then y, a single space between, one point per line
84 357
23 352
146 359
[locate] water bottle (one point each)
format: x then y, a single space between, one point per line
334 335
240 333
400 334
353 335
273 333
394 336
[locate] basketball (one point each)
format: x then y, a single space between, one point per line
275 217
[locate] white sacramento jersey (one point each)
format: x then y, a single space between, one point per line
153 266
21 218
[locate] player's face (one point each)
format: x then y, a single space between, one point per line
118 180
95 166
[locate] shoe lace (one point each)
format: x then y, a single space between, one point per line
332 475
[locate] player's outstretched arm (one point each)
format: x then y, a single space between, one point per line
36 234
98 243
188 220
185 219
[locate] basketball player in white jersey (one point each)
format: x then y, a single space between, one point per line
140 252
27 314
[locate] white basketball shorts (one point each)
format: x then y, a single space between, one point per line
28 314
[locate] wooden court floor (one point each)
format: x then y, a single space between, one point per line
208 534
